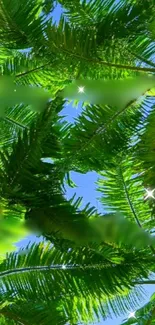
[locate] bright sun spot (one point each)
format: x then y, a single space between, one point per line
149 193
63 267
132 315
81 89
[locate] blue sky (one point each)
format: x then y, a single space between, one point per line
85 187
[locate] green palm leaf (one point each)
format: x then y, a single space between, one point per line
54 274
144 315
33 140
20 23
123 190
34 311
102 132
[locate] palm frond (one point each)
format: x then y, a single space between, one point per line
112 19
56 275
16 119
88 11
21 24
102 132
48 6
144 315
5 54
70 40
34 311
19 161
142 50
30 70
123 190
119 25
78 48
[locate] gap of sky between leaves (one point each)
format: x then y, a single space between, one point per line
85 188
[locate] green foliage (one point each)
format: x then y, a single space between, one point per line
20 33
79 275
34 311
102 132
90 264
123 190
12 94
144 315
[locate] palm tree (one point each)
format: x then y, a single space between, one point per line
87 266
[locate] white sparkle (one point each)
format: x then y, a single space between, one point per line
132 315
81 89
63 267
149 193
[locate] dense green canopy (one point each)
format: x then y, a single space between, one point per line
91 264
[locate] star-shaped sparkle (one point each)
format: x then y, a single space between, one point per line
149 193
81 89
132 315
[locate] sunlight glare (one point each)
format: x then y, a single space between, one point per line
149 193
132 315
81 89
